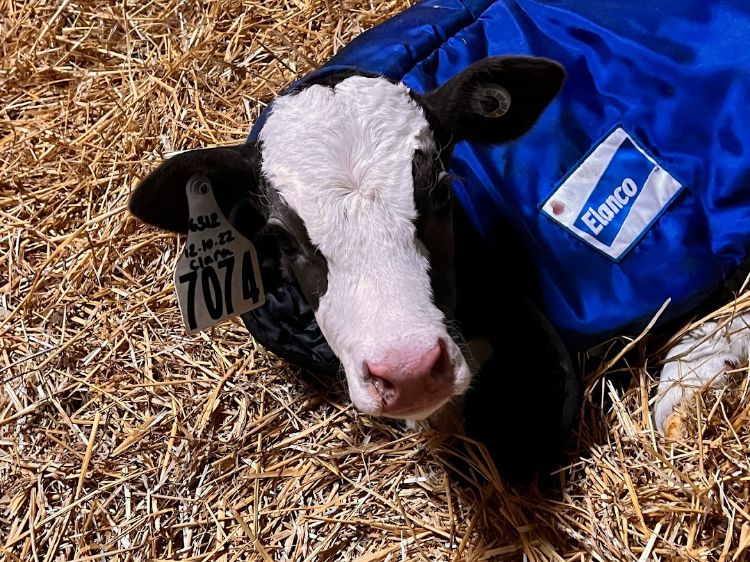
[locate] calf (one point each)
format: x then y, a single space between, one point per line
348 178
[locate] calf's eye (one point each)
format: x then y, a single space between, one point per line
284 240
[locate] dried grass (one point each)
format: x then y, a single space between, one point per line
123 439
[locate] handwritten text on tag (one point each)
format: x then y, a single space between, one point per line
217 276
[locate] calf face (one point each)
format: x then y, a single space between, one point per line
350 178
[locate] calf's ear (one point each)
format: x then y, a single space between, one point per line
234 173
496 99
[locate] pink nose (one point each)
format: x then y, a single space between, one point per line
411 380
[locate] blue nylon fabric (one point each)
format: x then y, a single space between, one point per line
674 74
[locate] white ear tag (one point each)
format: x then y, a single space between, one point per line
217 276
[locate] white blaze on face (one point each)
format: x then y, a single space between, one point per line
341 158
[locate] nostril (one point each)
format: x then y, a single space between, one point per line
442 366
385 388
382 384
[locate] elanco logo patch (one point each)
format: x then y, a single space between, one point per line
613 196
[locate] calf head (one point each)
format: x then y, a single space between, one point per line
349 176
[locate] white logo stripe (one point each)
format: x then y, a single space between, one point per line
662 188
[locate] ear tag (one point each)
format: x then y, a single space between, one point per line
217 276
491 100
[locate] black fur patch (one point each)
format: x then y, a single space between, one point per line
433 201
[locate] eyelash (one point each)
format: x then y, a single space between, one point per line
441 193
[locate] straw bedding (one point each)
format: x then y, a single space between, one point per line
123 439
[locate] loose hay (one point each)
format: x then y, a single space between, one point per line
123 439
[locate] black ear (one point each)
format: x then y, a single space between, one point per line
233 171
496 99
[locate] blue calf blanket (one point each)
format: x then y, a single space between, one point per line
634 185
